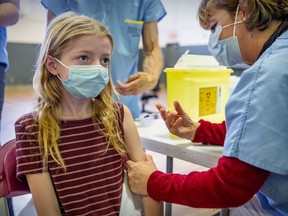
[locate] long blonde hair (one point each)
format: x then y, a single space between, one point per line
59 34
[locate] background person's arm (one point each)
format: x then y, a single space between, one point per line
147 79
50 16
136 153
153 59
9 12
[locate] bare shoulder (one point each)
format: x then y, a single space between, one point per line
127 112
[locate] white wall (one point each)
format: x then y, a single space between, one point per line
179 25
31 26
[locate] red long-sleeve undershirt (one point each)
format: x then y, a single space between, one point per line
230 184
212 133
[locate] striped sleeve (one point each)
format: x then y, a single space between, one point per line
28 157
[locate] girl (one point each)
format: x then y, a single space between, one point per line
71 149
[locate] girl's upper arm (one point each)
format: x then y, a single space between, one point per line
136 153
131 137
44 197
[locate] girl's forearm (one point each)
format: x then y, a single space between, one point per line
152 207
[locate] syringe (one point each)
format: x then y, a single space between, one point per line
153 114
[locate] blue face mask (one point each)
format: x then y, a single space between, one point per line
226 52
85 81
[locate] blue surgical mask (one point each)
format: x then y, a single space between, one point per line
85 81
226 52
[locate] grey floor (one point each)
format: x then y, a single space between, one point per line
19 101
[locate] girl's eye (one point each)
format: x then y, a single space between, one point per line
84 58
106 60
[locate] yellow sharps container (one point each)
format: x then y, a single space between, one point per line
202 91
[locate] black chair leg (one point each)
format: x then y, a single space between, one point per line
10 206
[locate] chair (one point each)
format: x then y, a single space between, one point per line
10 186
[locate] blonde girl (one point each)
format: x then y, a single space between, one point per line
71 148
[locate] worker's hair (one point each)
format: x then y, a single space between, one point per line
48 88
259 14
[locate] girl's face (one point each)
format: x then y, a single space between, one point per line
85 50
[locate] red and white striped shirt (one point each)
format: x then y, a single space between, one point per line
92 183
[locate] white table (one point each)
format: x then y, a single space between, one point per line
155 137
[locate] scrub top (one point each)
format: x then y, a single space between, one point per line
3 42
124 19
257 123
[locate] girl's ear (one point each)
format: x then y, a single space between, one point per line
51 65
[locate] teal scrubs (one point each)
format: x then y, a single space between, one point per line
4 64
257 123
3 51
119 16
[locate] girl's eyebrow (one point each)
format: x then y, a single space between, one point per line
82 51
107 54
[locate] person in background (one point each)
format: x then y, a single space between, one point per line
255 137
9 15
71 149
128 21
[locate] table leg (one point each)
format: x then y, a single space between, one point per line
169 169
225 212
169 164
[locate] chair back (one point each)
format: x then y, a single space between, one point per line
10 186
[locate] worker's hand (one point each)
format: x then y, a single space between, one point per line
137 83
179 123
139 173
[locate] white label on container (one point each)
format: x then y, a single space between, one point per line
209 100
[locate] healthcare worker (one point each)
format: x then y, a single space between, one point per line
128 21
256 143
9 15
